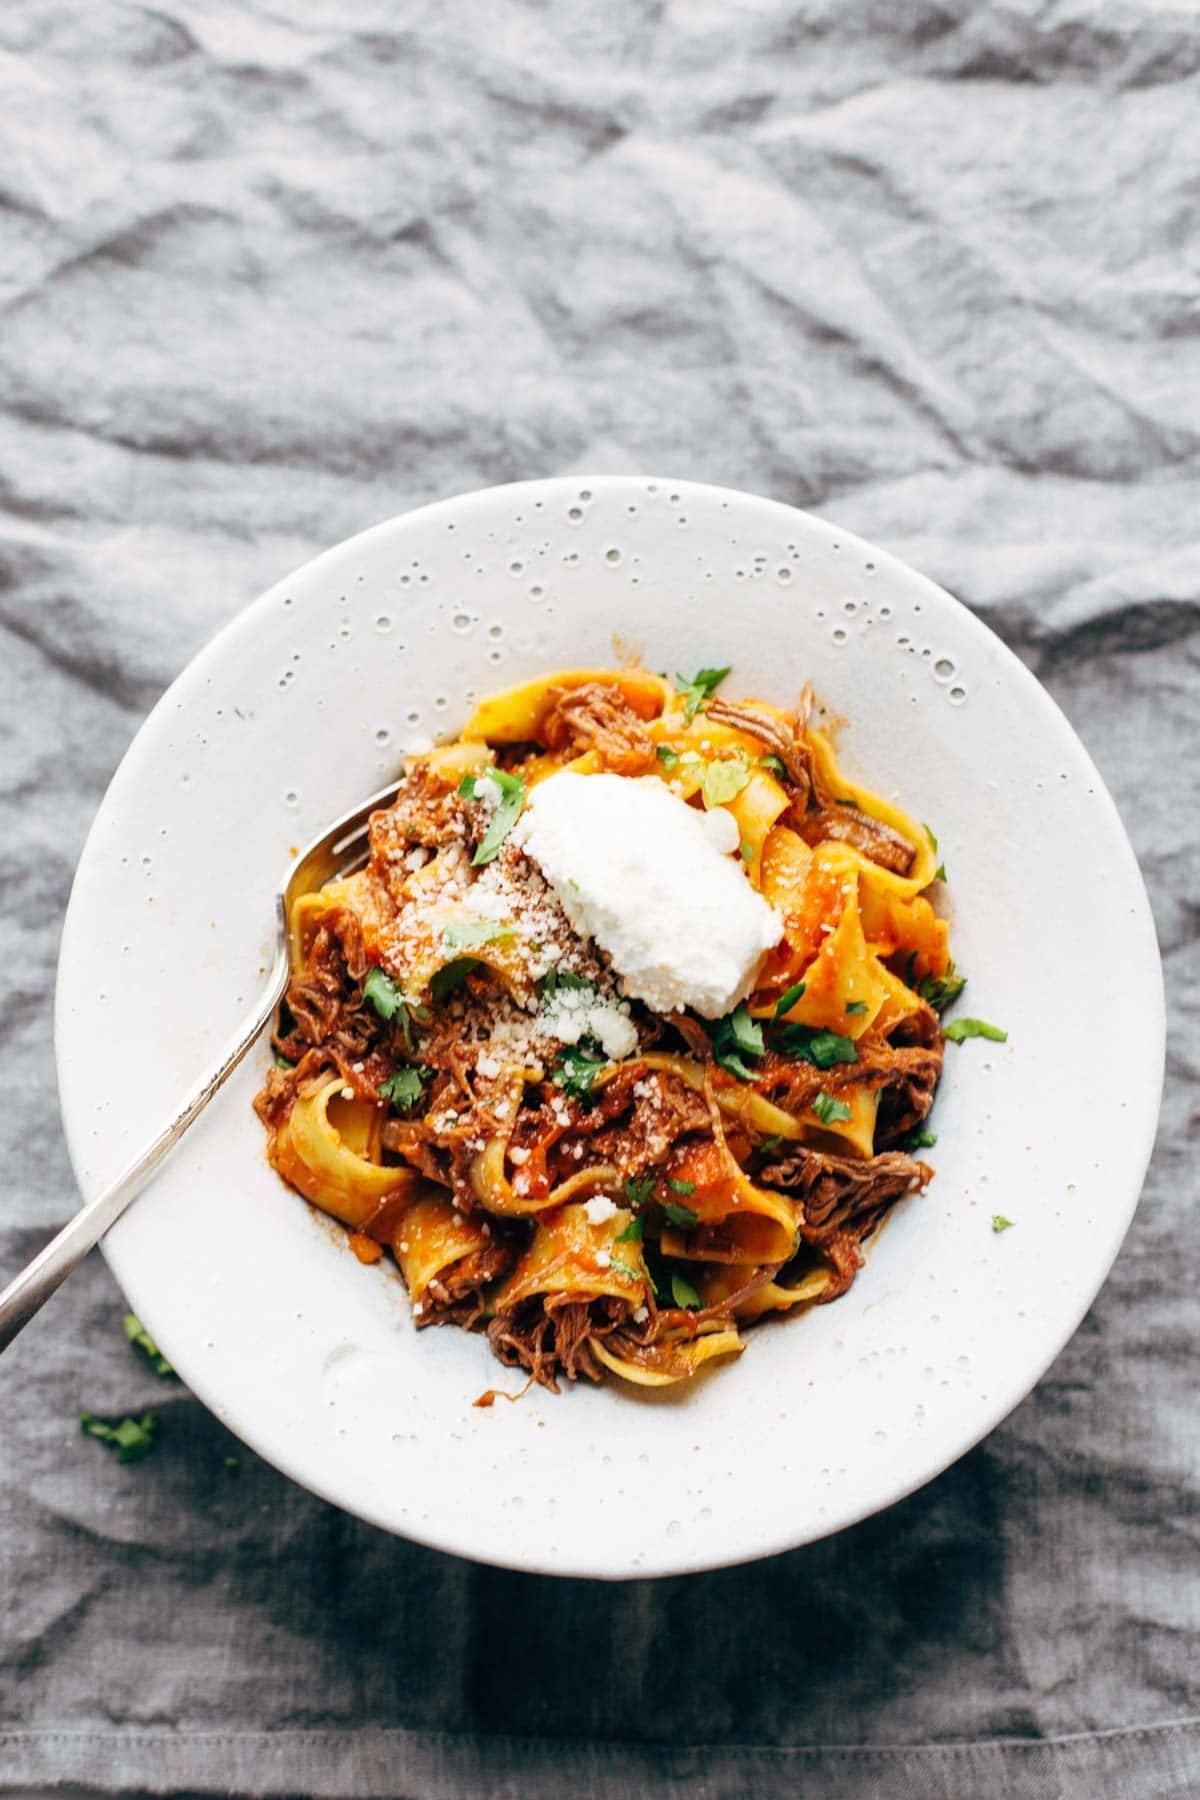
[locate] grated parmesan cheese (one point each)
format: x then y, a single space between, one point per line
634 868
572 1013
599 1208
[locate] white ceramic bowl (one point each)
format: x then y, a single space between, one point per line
302 705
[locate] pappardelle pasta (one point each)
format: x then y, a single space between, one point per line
624 1037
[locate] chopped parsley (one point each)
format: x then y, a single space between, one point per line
667 757
281 1061
939 873
855 1007
619 1264
747 851
474 932
141 1340
770 1145
682 1216
450 976
820 1047
829 1110
788 998
577 1067
1000 1223
773 763
735 1037
404 1088
941 991
919 1138
383 994
633 1233
962 1029
131 1438
562 980
722 780
638 1190
695 692
684 1294
681 1187
507 811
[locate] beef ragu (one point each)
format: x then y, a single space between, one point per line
612 1121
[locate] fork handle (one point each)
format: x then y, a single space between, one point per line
28 1292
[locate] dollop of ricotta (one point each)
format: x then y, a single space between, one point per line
635 868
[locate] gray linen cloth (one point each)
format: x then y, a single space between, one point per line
271 272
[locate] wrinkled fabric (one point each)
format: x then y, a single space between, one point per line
272 272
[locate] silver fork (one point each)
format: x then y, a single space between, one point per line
338 851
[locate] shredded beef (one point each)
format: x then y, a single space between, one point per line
329 1012
456 1296
425 813
641 1138
597 716
905 1072
918 1050
792 751
847 825
844 1257
837 1192
549 1335
692 1032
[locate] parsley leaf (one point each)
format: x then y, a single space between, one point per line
281 1061
855 1007
383 994
773 763
131 1438
734 1037
389 1003
140 1338
829 1110
667 757
473 933
941 991
684 1294
627 1269
788 998
747 851
973 1028
695 692
683 1216
821 1048
722 780
404 1087
633 1233
638 1190
450 976
506 814
681 1187
576 1070
919 1139
1000 1223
